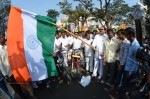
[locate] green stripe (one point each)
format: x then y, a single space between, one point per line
46 35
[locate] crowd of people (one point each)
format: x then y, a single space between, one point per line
106 55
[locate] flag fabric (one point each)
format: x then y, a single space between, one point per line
63 22
30 42
85 27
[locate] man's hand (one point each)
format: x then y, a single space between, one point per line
67 45
54 54
62 49
102 54
94 48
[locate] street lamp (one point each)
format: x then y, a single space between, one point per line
138 13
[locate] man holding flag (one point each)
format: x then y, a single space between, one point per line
6 70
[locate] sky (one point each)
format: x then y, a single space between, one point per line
41 6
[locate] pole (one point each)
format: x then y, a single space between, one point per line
139 35
77 38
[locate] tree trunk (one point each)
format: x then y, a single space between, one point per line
107 23
101 23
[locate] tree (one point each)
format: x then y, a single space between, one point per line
4 10
74 14
52 13
83 10
66 7
88 4
109 11
147 21
78 13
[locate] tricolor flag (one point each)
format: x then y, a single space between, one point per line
30 42
63 22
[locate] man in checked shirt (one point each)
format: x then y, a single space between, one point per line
124 48
131 65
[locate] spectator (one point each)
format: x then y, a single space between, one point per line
131 65
6 70
88 52
98 44
124 47
111 46
64 47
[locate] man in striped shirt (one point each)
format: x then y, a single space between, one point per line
124 47
131 65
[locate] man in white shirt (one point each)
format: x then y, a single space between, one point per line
98 43
64 47
80 34
70 39
88 52
77 45
57 43
6 70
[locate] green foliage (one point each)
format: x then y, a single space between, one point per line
88 4
112 12
77 13
81 10
118 10
109 11
66 7
4 12
147 22
52 13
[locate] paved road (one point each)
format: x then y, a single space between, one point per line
75 91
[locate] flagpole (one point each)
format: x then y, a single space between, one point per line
77 37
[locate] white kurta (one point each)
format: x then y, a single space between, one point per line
88 50
57 45
77 43
4 62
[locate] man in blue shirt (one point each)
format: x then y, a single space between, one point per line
131 65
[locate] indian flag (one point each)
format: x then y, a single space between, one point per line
30 43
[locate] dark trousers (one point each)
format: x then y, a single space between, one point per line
4 89
119 76
16 87
109 69
126 82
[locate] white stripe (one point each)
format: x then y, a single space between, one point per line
33 49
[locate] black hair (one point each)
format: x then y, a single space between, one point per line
87 32
94 30
103 28
108 30
57 31
130 31
122 31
